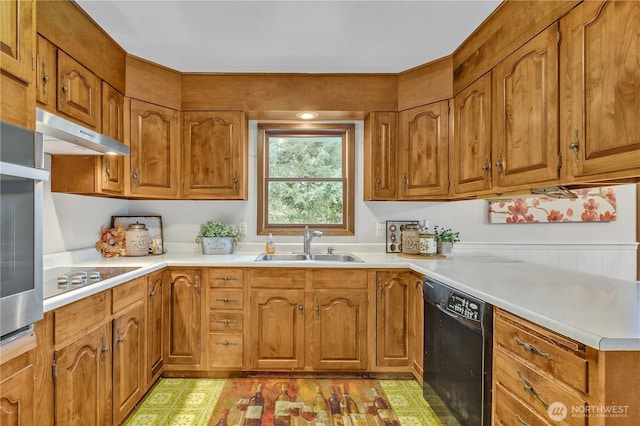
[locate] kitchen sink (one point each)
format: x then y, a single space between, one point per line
280 257
335 257
344 257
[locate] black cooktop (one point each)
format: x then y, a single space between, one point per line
64 279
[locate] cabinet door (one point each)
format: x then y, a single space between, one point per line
78 92
424 151
83 380
16 397
339 331
183 326
392 320
277 329
46 62
214 155
526 147
471 149
111 174
128 361
155 144
155 325
600 100
380 153
416 335
17 38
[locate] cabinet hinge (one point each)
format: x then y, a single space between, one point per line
559 160
33 63
558 36
54 369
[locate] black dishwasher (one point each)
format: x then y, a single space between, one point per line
457 354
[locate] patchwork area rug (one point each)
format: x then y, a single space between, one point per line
198 402
304 402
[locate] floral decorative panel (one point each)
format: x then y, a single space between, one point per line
591 205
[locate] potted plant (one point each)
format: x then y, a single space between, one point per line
445 239
217 237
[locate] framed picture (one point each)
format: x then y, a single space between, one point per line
153 224
393 242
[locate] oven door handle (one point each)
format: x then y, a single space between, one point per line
462 320
16 170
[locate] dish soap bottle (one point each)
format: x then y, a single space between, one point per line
271 247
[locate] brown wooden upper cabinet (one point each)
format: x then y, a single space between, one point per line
78 94
424 152
155 150
17 38
470 167
380 156
600 90
526 149
112 166
214 155
46 65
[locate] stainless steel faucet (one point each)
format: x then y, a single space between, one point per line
308 236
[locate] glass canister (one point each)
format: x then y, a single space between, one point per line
428 246
411 239
137 240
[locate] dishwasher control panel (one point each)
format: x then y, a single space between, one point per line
463 306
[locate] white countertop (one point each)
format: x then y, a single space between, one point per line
600 312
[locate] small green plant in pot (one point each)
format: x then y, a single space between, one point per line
217 237
445 239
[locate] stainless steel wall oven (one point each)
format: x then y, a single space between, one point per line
21 196
458 332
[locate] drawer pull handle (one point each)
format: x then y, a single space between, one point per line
532 390
226 278
532 349
226 343
226 300
522 422
226 321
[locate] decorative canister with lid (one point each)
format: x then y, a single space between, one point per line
411 239
137 240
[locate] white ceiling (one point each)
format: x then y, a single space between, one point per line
355 36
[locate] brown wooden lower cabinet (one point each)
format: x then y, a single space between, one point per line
416 326
182 328
83 380
155 323
16 391
392 318
322 325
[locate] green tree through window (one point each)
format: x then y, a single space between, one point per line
305 177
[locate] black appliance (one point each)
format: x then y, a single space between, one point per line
21 190
65 279
457 353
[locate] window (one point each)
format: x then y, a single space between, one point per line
305 177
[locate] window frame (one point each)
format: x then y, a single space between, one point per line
344 130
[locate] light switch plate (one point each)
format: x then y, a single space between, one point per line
380 230
242 228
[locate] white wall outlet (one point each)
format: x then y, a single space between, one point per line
242 228
380 229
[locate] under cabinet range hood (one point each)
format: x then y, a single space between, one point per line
64 137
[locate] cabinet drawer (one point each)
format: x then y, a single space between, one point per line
226 321
510 411
278 278
72 320
127 294
535 390
225 350
339 278
226 299
554 354
225 277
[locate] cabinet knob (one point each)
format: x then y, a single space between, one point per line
107 169
134 176
63 89
575 145
45 78
500 166
317 309
301 307
378 181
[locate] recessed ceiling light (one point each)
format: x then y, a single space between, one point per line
307 115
